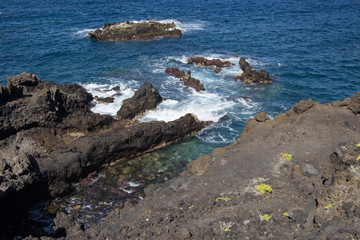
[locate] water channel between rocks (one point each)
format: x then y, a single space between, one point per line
94 197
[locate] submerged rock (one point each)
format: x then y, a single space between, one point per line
186 78
252 76
126 31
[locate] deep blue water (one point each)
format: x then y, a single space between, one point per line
311 48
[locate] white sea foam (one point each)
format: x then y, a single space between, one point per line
216 137
104 90
209 105
206 106
184 58
187 26
196 25
126 190
83 32
133 184
231 70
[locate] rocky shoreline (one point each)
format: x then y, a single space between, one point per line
294 177
50 138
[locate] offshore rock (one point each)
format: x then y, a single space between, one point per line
50 139
252 76
218 63
146 98
201 61
186 78
127 31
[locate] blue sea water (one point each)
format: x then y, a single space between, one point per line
311 48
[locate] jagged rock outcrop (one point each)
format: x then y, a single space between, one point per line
48 131
186 78
127 31
218 63
252 76
27 102
146 98
50 138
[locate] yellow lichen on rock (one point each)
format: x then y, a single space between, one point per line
264 188
286 156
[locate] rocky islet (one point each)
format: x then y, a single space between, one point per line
129 31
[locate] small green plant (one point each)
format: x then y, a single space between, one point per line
262 217
286 214
357 145
223 198
265 217
286 156
331 205
358 158
227 230
264 188
192 206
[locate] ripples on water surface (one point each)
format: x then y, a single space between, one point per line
310 48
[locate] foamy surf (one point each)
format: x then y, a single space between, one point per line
107 90
206 106
196 25
219 134
82 33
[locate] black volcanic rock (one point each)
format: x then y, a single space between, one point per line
127 31
27 102
50 138
186 78
252 76
201 61
146 98
217 63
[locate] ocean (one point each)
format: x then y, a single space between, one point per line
311 49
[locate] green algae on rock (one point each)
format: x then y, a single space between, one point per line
127 31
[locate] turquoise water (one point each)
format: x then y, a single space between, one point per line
311 48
